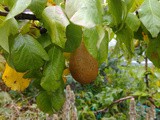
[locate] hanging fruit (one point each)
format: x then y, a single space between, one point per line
83 67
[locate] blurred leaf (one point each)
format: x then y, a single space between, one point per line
136 5
5 98
150 16
153 51
84 13
58 99
18 7
37 7
8 3
74 37
129 3
133 22
8 27
116 13
51 102
90 37
43 101
125 35
58 1
56 22
14 79
26 53
103 46
45 40
52 74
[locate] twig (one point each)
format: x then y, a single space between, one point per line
116 101
119 101
21 16
146 75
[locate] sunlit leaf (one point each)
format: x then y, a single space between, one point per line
90 37
87 13
103 46
37 7
52 75
18 7
26 53
7 28
14 79
129 3
56 23
133 22
8 3
115 8
150 16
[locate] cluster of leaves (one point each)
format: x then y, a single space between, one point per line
119 81
39 52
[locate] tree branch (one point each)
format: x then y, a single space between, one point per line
22 16
114 102
119 101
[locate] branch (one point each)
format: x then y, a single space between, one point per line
121 100
22 16
114 102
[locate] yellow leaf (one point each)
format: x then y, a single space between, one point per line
158 83
51 3
67 55
14 79
65 73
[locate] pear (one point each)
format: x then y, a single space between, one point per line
83 67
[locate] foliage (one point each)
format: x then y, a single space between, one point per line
14 80
35 44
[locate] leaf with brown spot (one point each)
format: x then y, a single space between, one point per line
14 79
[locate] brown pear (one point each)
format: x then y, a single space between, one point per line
83 67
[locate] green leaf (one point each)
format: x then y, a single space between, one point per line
136 5
45 40
103 47
26 53
58 99
8 27
44 103
133 22
52 74
115 8
35 73
37 7
74 37
58 1
8 3
150 16
153 51
18 7
90 40
51 102
87 13
56 22
125 35
129 3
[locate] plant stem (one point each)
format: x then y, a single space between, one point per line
146 75
21 16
